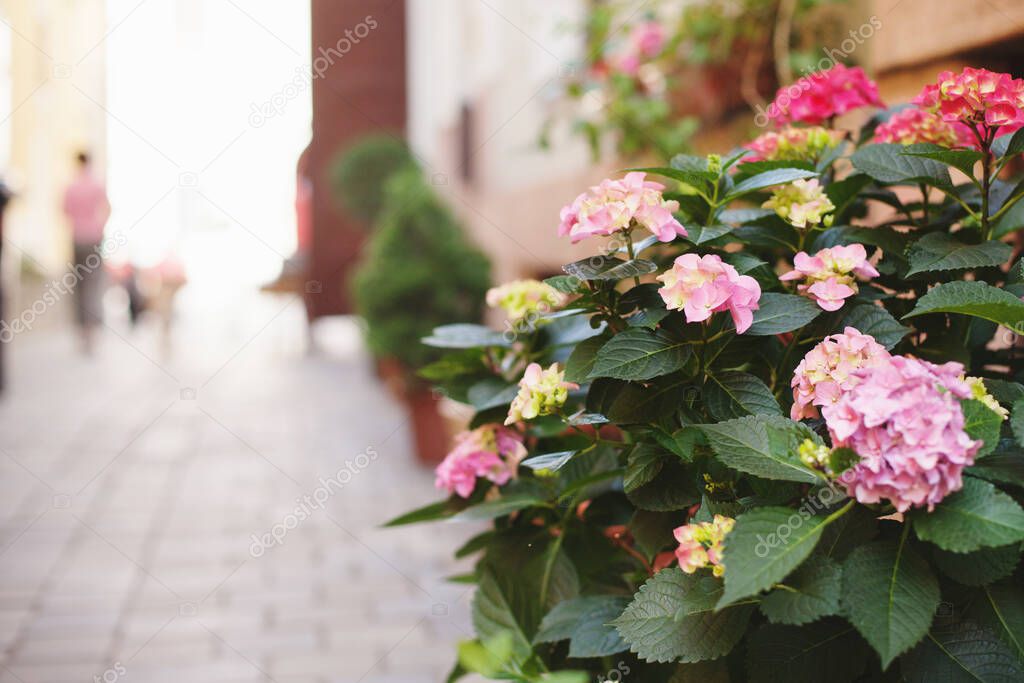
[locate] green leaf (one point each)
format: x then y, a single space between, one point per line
551 462
808 594
981 423
565 284
488 659
674 488
828 650
1001 608
465 336
876 321
640 354
972 298
766 544
693 172
581 360
594 635
778 313
976 516
699 234
963 160
1014 144
1016 274
608 268
888 163
500 507
889 595
961 652
673 618
427 513
1017 421
643 465
652 531
493 616
980 567
1005 465
937 251
491 393
778 176
762 445
735 394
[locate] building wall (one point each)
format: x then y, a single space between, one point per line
362 91
57 57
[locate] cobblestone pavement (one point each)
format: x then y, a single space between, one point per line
139 488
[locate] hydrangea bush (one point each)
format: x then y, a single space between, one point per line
773 430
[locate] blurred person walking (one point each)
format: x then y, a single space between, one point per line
87 208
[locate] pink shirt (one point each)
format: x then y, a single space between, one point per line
86 206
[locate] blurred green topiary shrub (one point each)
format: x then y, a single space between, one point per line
360 172
419 271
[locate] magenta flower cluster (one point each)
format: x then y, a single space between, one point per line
904 419
823 95
976 97
831 368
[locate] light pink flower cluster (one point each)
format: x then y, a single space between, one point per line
817 97
702 285
645 42
541 392
830 368
701 544
792 144
976 96
616 205
912 126
491 451
903 418
828 276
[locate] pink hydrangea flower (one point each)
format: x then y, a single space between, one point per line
903 418
700 544
646 41
820 96
491 451
792 144
702 285
541 392
828 276
912 126
616 205
976 97
829 369
802 202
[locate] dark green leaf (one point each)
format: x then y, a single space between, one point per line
428 513
500 507
876 321
888 163
976 516
937 251
980 567
1001 608
808 594
972 298
778 313
890 596
735 394
643 465
766 544
825 651
493 616
961 652
640 354
963 160
581 360
983 424
762 445
779 176
673 618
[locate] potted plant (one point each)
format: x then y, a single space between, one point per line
813 470
419 270
359 174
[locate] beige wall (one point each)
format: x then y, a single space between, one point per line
57 81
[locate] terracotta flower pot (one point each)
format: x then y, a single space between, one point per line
429 429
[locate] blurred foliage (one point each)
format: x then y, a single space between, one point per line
419 271
359 173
